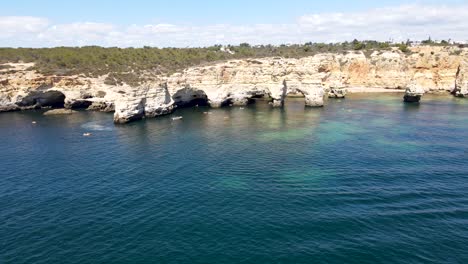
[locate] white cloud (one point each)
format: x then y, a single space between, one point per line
399 23
16 29
77 34
22 24
156 29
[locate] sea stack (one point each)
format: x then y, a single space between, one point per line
314 97
461 82
413 93
461 90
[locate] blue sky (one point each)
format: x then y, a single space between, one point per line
186 11
199 23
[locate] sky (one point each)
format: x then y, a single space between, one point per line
184 23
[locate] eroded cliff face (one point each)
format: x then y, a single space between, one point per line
461 87
432 69
147 101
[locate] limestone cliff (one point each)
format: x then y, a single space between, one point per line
432 69
461 87
146 101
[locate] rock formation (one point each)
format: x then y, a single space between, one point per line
101 106
337 93
38 99
237 82
461 85
145 101
60 111
413 93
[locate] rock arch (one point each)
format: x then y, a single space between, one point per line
313 92
235 94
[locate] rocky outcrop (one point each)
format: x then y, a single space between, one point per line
101 106
6 105
337 93
145 101
158 101
237 82
461 85
9 107
413 93
60 111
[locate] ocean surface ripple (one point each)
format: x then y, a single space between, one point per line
366 179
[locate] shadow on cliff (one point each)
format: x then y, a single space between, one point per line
189 97
37 99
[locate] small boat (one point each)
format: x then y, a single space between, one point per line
177 118
34 122
241 108
87 134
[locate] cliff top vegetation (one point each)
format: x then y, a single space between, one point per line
127 64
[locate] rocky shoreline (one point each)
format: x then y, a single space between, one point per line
237 82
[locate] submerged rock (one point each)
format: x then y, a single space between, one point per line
413 93
61 111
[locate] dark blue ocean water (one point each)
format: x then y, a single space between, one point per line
367 179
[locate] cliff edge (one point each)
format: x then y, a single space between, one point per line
434 69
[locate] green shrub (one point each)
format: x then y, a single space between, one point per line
403 48
358 45
128 64
456 52
4 67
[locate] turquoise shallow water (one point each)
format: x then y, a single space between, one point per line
363 180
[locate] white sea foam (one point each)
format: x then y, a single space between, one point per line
96 126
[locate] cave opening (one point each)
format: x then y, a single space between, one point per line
54 99
79 104
260 96
190 98
227 102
